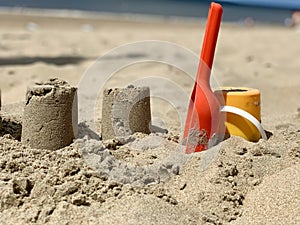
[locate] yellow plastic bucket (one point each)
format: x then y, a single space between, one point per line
246 99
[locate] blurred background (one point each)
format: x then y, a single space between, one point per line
266 11
62 38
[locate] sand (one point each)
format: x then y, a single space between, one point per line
47 121
146 179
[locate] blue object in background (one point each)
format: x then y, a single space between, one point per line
268 11
280 4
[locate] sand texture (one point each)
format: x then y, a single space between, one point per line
125 111
47 121
147 178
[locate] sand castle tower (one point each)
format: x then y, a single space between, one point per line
50 115
125 111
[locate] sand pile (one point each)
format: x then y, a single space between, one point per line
148 180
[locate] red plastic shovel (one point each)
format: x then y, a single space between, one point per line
203 115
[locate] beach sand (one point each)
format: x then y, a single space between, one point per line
88 183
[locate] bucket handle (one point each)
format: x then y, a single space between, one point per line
246 115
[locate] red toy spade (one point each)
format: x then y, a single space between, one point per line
203 117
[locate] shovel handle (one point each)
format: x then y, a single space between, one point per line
211 33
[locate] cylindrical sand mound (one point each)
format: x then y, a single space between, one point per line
50 117
125 111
